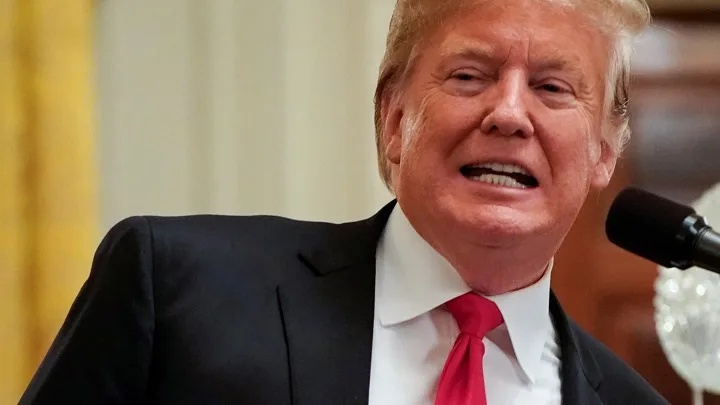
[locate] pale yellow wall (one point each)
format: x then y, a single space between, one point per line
239 107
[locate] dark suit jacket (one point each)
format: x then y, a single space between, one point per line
252 310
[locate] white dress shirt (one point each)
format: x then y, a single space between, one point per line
413 335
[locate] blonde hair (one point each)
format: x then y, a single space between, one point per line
413 21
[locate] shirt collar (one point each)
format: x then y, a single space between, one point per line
412 279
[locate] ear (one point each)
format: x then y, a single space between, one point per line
392 112
605 166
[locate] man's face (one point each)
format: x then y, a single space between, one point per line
508 105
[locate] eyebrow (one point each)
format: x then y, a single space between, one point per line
558 61
470 50
487 53
568 64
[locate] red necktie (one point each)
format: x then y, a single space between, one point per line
462 381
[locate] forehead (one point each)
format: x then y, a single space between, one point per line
540 30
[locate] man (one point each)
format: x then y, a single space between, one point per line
494 120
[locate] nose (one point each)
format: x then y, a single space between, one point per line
507 112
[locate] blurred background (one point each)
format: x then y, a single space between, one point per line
113 108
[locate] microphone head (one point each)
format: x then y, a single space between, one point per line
649 226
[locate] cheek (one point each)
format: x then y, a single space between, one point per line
460 114
448 122
571 149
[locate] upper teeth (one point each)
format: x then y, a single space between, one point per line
502 168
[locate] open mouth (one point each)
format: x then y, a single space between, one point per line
500 174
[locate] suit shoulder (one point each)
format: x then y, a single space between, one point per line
621 383
213 246
226 227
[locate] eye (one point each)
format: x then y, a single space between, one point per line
463 76
466 82
555 93
554 87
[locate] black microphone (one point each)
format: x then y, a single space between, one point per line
662 231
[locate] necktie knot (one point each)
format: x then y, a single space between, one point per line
475 314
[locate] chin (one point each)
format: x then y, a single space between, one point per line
496 225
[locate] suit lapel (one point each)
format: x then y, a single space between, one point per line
580 373
329 318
